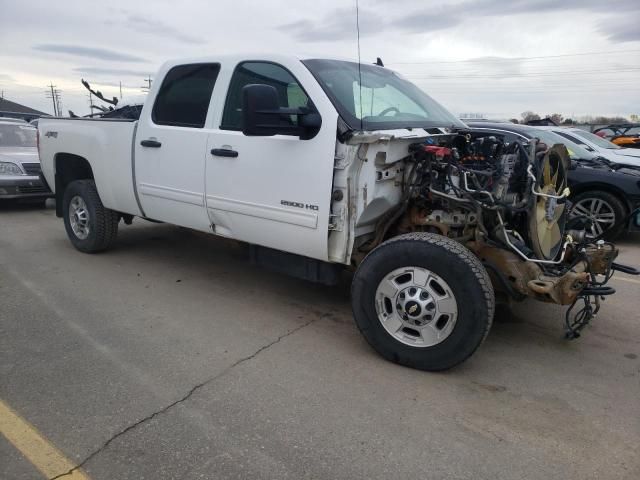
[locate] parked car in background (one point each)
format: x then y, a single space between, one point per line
625 135
13 120
19 162
598 145
607 193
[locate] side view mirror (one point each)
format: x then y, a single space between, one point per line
262 115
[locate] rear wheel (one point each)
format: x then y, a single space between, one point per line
90 226
423 300
605 211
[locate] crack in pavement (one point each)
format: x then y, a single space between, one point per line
185 397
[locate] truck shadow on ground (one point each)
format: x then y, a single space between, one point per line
191 255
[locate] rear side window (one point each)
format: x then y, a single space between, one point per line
183 99
290 93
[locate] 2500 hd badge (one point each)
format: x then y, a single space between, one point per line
308 206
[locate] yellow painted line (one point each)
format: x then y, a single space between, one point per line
37 449
625 279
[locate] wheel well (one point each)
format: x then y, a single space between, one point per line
590 187
69 167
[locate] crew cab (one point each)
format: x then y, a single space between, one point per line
322 165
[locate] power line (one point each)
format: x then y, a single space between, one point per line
484 69
511 59
533 74
54 94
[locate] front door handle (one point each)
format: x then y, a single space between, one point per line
151 143
224 152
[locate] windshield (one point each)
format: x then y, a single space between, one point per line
383 100
550 138
595 139
17 136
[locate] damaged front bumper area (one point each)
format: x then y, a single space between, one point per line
580 280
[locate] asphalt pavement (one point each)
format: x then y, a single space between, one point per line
171 356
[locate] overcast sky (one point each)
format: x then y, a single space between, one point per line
494 57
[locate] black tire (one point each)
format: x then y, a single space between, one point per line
103 222
452 262
618 208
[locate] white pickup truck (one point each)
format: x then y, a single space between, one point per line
323 165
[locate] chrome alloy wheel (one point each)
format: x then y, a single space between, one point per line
416 306
599 211
79 217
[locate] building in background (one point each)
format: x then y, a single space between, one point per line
15 110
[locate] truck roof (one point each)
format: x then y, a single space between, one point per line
240 57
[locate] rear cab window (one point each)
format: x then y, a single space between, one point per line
184 96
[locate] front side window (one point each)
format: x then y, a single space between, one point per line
290 93
374 98
183 99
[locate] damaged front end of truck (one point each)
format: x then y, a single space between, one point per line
507 203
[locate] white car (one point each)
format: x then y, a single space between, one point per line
600 146
19 162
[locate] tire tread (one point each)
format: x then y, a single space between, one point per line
467 257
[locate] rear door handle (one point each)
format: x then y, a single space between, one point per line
224 152
151 143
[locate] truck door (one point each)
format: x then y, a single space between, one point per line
275 190
171 147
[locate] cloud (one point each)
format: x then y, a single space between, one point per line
116 72
94 53
500 7
620 31
427 22
340 24
441 18
6 78
142 24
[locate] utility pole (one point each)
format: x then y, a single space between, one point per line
147 87
59 101
120 90
54 94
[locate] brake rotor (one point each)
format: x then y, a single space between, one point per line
547 221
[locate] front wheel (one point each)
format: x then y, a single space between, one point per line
423 300
90 226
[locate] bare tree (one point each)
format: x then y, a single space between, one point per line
556 118
529 115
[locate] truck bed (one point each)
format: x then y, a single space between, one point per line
109 145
